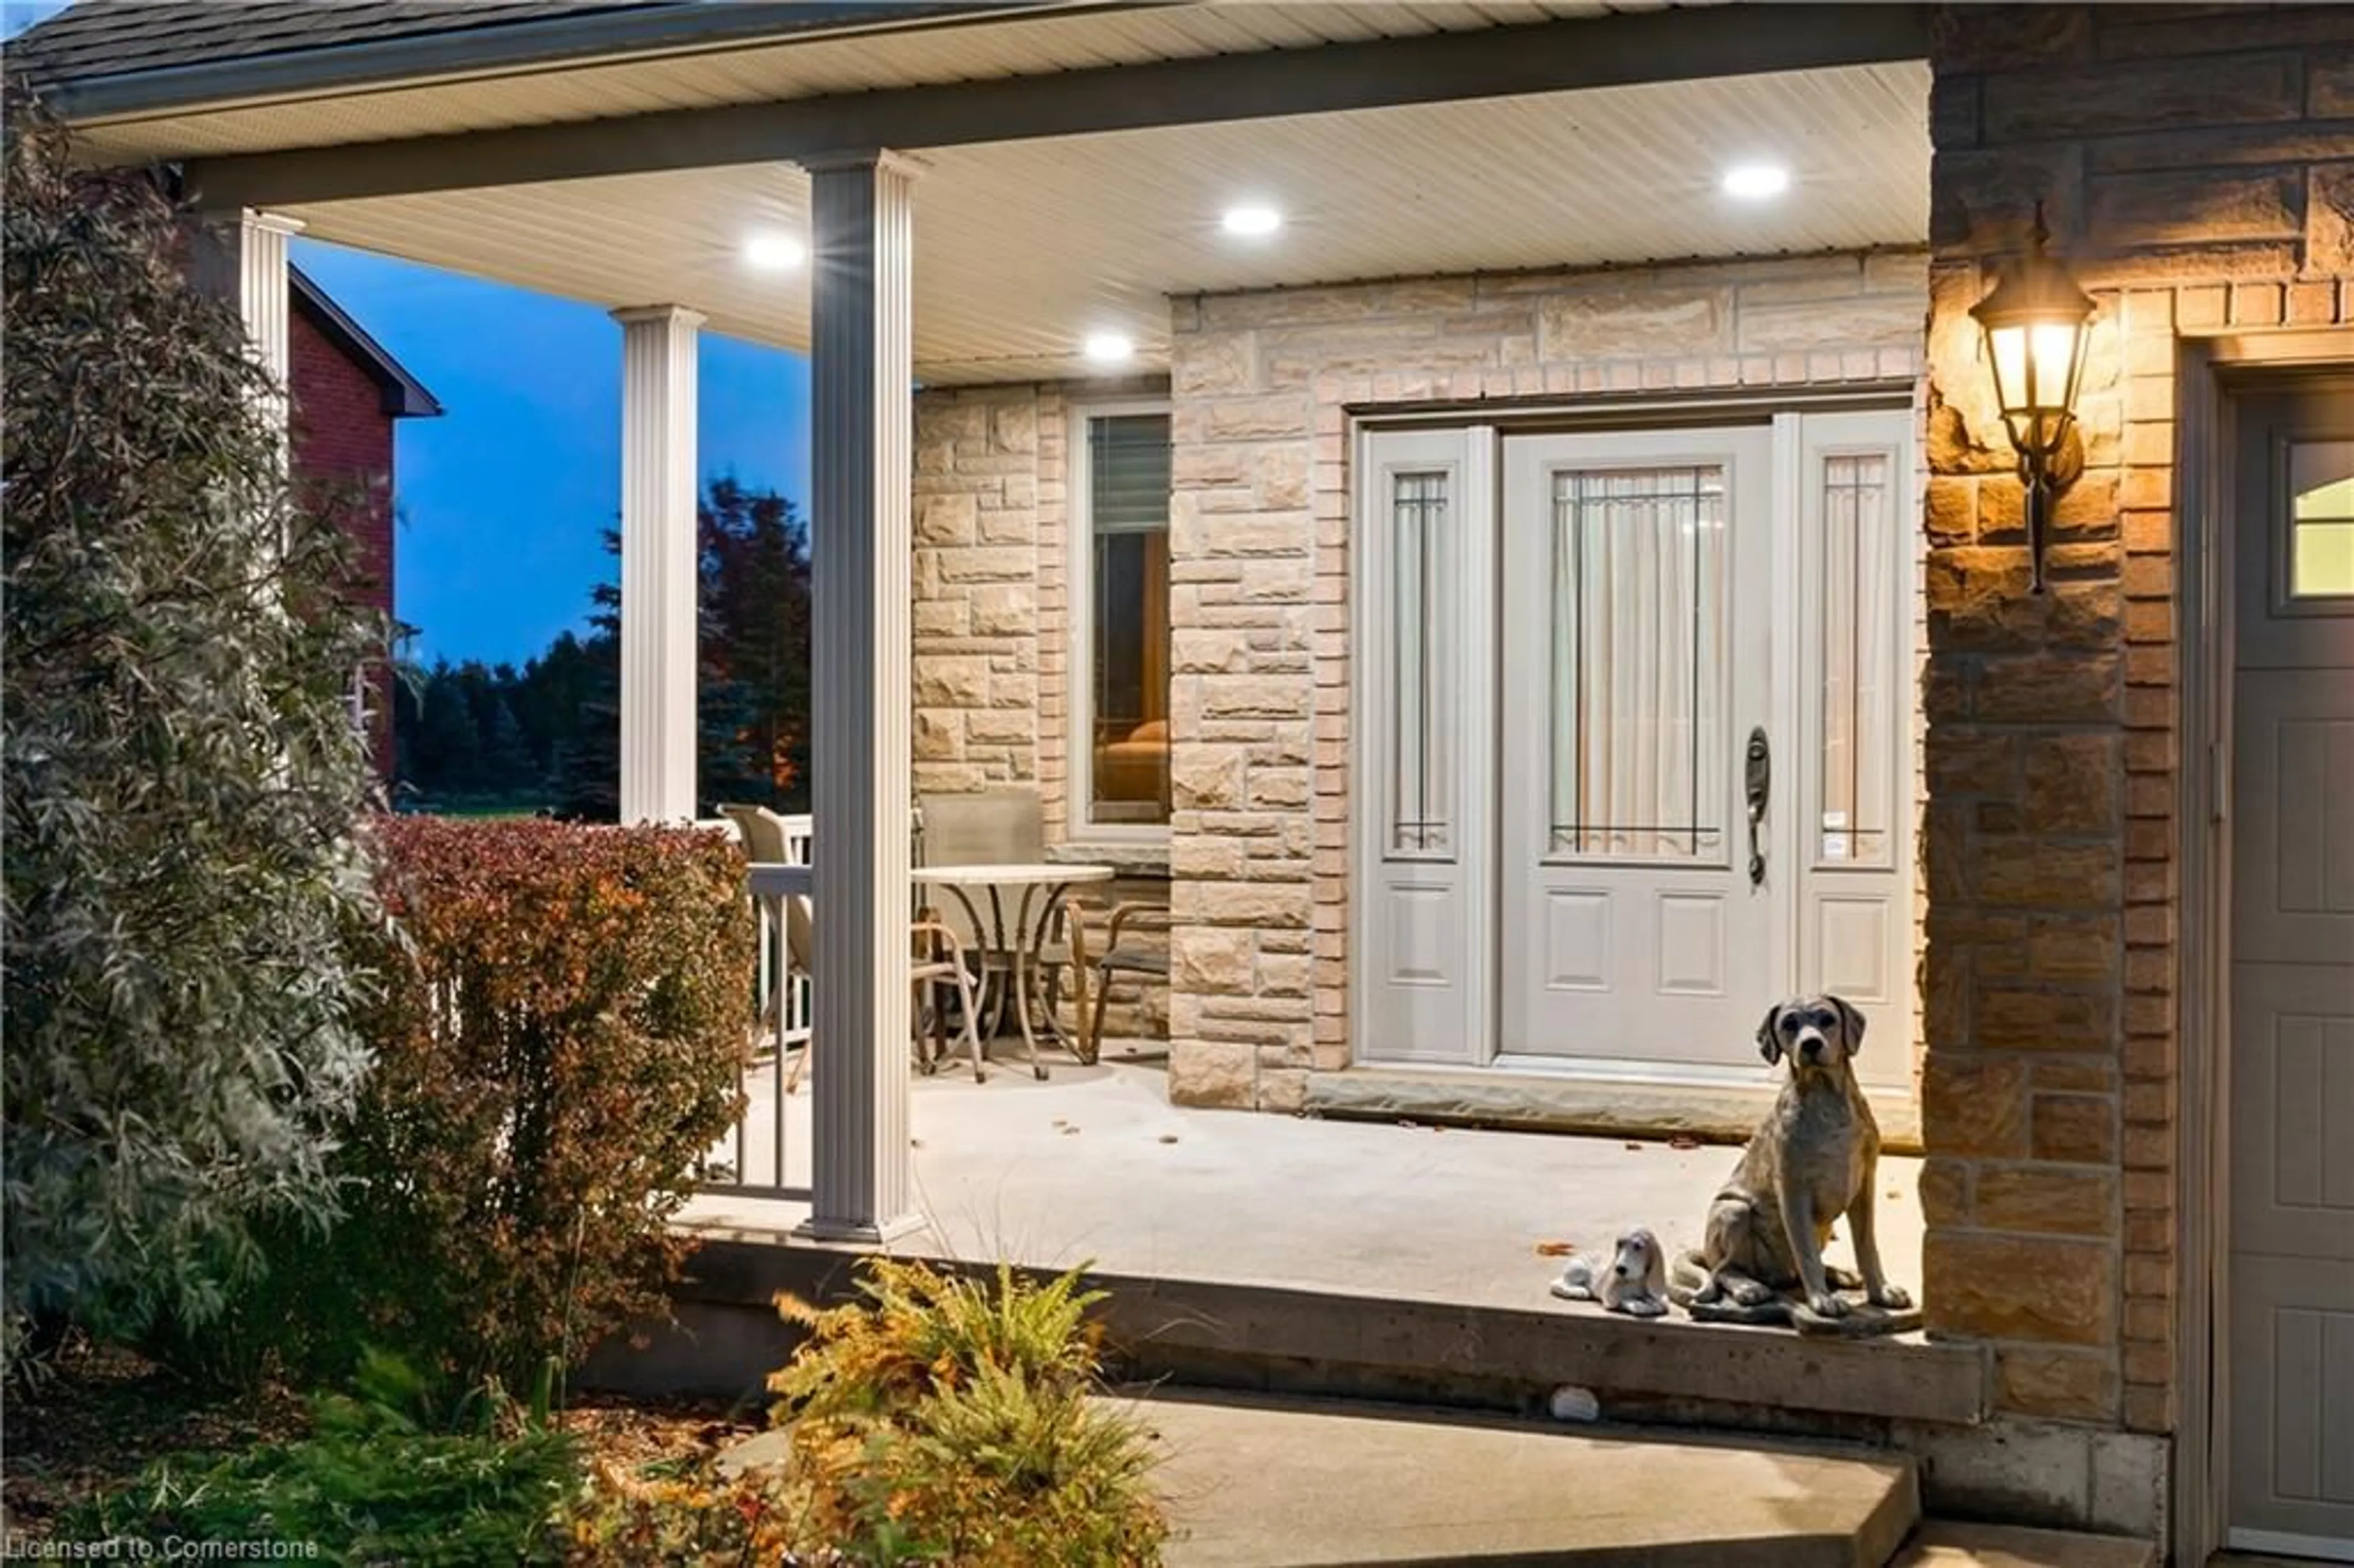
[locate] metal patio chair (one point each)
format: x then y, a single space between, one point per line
939 959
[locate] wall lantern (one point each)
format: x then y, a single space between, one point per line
2036 322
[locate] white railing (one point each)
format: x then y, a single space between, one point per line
784 998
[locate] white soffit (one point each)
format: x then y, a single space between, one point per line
929 53
1024 248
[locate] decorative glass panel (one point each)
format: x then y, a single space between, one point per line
1854 627
2321 519
1639 664
1127 638
1421 691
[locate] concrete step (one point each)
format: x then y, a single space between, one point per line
1265 1337
1268 1483
1946 1543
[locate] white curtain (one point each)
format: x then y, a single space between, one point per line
1639 677
1858 535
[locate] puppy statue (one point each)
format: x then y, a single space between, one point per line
1814 1160
1635 1283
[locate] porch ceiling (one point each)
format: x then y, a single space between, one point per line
135 115
1024 248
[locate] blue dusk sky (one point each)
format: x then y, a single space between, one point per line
504 501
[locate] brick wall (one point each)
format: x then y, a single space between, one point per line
1263 386
2198 164
342 441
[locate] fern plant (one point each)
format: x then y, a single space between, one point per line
944 1418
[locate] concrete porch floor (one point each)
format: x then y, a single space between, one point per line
1094 1166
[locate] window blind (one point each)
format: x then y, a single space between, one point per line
1128 468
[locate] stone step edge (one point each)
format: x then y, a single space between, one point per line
1532 1102
1958 1543
1154 1323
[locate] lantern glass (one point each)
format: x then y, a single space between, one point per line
2036 367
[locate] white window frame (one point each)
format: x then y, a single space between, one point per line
1079 599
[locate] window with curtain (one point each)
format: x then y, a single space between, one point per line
1128 630
1639 671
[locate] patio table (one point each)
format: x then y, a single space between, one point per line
1013 950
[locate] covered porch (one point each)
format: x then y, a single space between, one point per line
1094 1166
973 264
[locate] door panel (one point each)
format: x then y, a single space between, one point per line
1426 700
1641 654
2291 1050
1857 597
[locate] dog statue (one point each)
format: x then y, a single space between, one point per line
1636 1284
1814 1158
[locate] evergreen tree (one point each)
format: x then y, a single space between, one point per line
448 742
507 763
553 727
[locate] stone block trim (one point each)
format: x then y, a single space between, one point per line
1264 385
2196 163
989 609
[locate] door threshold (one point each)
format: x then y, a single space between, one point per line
1545 1102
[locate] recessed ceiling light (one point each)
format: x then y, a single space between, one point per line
1110 347
1755 182
774 252
1253 220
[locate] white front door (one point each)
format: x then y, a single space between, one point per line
1638 619
1620 637
2290 1306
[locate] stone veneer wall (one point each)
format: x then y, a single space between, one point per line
2198 164
991 585
992 616
1262 385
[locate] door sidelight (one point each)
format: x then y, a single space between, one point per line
1758 782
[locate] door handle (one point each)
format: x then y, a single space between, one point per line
1757 782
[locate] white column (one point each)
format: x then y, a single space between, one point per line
862 465
658 563
240 257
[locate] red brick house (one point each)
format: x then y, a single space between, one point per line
348 391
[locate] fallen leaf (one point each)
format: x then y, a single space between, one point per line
1555 1249
1683 1140
1068 1131
1634 1148
1168 1138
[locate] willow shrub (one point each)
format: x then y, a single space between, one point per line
182 785
557 1053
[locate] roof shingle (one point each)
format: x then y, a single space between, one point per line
92 39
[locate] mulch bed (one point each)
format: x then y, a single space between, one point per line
104 1414
101 1415
631 1434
